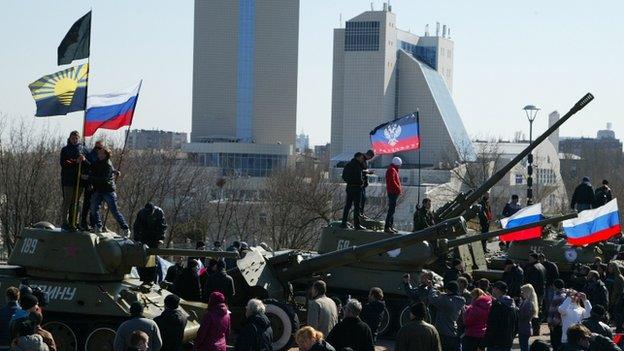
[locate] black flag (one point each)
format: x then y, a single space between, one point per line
75 45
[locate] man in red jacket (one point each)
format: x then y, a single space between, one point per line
393 187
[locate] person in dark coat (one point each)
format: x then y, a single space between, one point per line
449 306
369 155
535 274
502 323
353 176
91 159
420 292
485 216
595 322
72 155
554 317
351 331
219 280
171 323
596 290
6 312
417 334
103 179
215 326
423 216
149 228
174 271
512 207
581 339
372 312
513 276
603 194
452 273
256 334
583 196
187 285
310 339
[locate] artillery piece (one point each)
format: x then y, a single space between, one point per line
85 276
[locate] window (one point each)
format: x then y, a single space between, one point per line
519 179
426 54
362 36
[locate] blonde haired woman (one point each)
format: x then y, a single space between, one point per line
310 339
529 309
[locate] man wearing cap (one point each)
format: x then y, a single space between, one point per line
583 196
352 175
393 187
502 323
594 322
137 322
417 334
513 276
448 308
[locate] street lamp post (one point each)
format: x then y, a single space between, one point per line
531 113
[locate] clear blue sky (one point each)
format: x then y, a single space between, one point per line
507 55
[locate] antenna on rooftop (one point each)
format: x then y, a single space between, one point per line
340 21
372 8
427 29
437 29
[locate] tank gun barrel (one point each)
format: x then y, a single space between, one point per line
192 253
463 203
478 237
451 227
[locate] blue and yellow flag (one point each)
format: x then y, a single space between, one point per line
61 92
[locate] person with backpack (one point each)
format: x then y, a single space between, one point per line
353 175
603 194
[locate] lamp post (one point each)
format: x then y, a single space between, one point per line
531 113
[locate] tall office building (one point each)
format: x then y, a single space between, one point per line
244 84
380 73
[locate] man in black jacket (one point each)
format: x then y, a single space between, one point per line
71 156
373 310
187 285
535 274
596 290
351 331
171 323
552 274
219 280
513 276
369 155
353 176
502 323
595 322
603 194
583 196
149 228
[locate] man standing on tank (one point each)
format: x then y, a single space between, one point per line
393 188
72 155
485 216
423 216
353 175
149 228
583 196
369 155
91 159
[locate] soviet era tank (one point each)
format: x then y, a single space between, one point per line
386 270
85 276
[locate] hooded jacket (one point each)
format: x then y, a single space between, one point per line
583 194
448 308
393 181
215 326
476 316
256 335
502 323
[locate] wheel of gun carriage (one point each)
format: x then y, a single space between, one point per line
284 323
100 339
404 318
64 336
386 318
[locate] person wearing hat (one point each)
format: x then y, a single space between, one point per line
449 306
513 276
393 187
171 324
502 324
603 194
417 334
354 178
215 325
595 322
137 322
583 196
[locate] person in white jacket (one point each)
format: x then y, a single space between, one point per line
572 313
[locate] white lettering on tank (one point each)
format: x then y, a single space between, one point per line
29 245
343 244
64 293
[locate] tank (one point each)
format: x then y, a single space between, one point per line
86 277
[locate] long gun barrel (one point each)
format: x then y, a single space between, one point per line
451 227
192 253
461 204
478 237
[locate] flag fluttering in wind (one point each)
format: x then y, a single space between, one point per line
76 43
401 134
592 226
61 92
111 111
524 216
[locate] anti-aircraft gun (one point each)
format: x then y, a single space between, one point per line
85 277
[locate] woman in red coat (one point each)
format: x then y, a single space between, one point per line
475 320
215 326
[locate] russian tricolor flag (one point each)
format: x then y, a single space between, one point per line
111 111
592 226
527 215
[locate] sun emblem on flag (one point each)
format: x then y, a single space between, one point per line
61 85
392 133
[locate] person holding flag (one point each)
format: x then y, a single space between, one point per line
72 155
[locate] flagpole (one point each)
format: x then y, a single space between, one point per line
419 165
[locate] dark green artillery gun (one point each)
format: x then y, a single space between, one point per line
86 277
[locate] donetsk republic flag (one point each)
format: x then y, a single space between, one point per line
61 92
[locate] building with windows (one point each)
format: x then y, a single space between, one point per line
143 139
302 143
244 84
381 72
